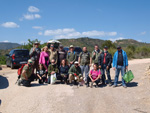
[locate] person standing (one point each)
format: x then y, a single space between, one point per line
104 61
35 55
44 58
120 63
61 54
53 54
96 54
85 62
71 56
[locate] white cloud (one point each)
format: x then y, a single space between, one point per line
33 9
114 39
58 32
10 25
5 41
72 33
37 27
143 33
31 16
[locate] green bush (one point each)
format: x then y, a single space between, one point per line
2 60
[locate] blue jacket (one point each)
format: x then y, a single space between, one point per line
125 59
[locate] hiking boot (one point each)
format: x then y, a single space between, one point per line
114 86
96 86
110 84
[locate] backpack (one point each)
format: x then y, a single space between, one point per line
82 54
73 52
21 68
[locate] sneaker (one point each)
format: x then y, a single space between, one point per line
114 86
124 86
87 85
110 84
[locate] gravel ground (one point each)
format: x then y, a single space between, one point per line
66 99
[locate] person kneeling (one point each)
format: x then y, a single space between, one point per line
64 70
75 74
52 70
94 76
26 76
41 74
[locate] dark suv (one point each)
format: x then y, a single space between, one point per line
78 50
16 57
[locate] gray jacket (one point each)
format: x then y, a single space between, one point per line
35 55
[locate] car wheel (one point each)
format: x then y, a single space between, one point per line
12 66
7 64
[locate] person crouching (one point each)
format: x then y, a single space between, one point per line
52 69
26 76
75 74
94 76
41 74
64 68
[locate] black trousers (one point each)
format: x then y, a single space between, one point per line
89 80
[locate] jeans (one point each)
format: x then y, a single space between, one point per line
117 72
85 68
89 80
103 74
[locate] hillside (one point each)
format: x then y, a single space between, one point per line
81 42
8 45
127 42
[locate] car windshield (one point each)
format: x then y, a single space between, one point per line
21 53
77 49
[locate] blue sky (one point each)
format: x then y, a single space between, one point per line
21 20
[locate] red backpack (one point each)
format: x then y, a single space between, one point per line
21 68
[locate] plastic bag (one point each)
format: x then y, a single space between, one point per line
53 78
128 76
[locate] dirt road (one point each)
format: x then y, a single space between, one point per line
66 99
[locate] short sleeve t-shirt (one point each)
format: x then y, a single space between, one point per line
41 72
95 74
28 70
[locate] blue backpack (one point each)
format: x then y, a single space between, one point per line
73 52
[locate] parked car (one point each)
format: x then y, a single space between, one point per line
55 42
16 57
78 50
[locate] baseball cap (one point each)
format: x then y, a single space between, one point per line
61 46
118 47
105 47
30 61
71 46
76 62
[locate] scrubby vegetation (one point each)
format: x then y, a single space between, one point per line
133 48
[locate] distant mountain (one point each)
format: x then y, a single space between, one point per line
81 42
8 45
90 42
127 42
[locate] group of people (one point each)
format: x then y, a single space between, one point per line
70 68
